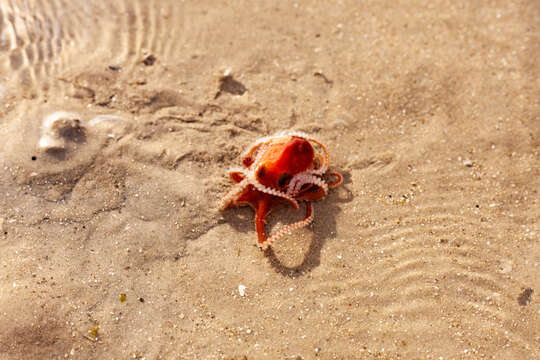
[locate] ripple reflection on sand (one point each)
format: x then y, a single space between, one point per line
43 39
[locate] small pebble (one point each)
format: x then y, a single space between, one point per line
242 290
149 60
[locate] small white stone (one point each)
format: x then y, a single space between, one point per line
242 290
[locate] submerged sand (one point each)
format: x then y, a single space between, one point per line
112 246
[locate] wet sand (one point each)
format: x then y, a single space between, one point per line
111 242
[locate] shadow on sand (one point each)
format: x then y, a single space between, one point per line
242 220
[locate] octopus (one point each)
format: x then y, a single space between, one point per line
286 168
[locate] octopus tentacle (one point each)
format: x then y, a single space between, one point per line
249 154
260 216
229 197
324 166
260 154
293 133
338 181
290 228
305 178
253 181
236 170
237 174
321 161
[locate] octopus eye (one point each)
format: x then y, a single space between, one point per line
261 172
284 179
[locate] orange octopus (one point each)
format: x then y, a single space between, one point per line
284 168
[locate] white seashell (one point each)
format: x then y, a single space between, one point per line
48 142
59 127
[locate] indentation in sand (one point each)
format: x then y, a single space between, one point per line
52 152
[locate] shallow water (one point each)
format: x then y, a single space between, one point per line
41 40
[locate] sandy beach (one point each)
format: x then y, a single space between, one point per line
120 119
